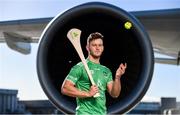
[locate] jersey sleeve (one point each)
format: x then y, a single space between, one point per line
74 74
109 78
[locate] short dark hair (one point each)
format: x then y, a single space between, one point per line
93 36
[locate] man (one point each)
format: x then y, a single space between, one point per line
77 83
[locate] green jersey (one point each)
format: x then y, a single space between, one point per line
101 76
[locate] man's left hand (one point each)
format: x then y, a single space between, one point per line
121 70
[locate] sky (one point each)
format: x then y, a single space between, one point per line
18 71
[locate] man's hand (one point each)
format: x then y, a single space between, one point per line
121 70
93 90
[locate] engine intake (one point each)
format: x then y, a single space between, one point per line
56 55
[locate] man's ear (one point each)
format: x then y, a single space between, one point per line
87 47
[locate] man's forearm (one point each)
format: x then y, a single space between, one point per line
70 90
116 88
74 92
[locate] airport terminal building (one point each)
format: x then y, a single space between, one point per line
9 104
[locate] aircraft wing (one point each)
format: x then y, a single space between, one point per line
163 27
18 34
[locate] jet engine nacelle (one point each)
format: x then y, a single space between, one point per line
56 54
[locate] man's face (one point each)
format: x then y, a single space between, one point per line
95 48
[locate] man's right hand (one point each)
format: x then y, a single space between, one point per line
93 90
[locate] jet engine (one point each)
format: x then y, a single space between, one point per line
125 41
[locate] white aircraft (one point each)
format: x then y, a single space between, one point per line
162 26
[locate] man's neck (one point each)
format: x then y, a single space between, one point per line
94 60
